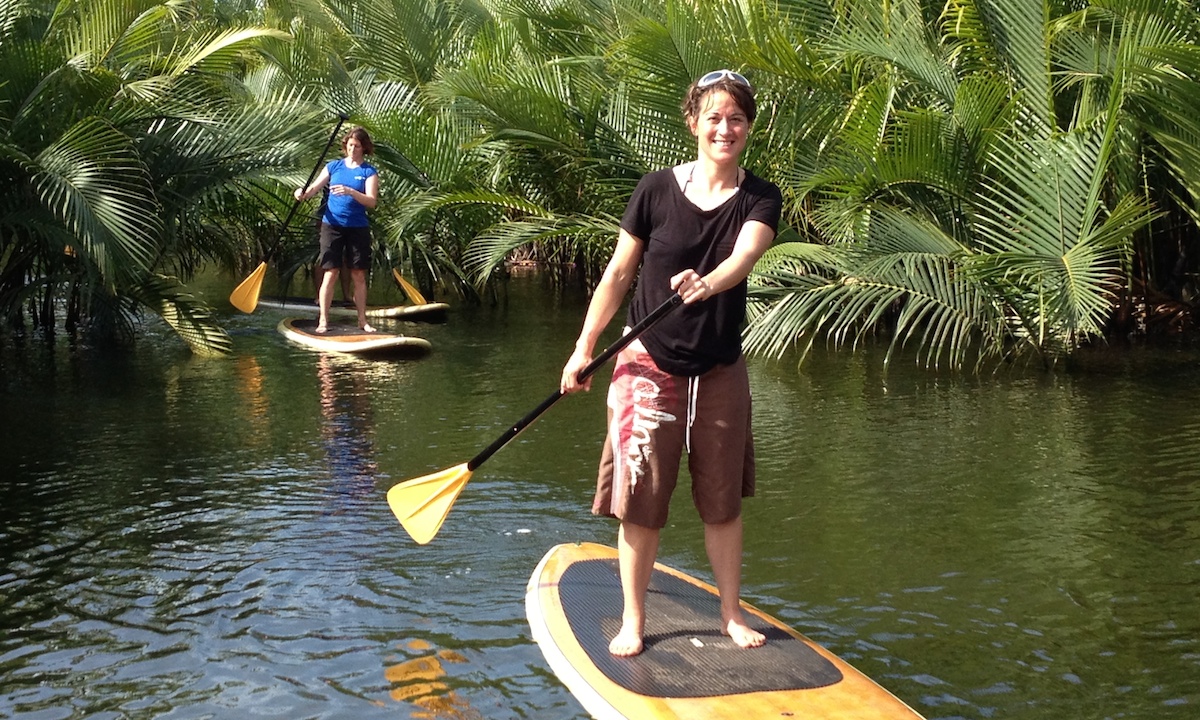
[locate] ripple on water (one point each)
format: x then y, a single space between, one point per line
185 539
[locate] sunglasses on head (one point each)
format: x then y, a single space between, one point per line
718 75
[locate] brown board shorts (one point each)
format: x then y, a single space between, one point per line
653 418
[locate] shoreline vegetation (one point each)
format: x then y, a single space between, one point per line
979 183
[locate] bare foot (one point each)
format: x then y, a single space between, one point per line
744 635
367 328
321 329
627 643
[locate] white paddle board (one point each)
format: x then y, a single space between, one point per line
429 312
351 339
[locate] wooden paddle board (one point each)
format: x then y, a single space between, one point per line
351 339
429 312
689 668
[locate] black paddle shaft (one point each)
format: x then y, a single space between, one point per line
647 322
342 117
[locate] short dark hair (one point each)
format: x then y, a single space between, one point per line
742 95
361 135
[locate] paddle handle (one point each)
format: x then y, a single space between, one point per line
342 117
646 323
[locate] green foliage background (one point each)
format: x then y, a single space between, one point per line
981 180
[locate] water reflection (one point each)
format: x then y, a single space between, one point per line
210 539
1038 529
347 428
256 406
419 681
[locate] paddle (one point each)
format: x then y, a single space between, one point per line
245 296
413 294
421 504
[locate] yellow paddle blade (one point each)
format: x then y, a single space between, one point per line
245 296
421 505
412 293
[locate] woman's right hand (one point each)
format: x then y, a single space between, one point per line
570 375
299 194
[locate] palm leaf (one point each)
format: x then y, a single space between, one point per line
909 276
489 250
189 317
92 181
1064 254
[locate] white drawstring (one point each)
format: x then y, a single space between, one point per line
693 391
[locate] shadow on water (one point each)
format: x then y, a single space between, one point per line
188 538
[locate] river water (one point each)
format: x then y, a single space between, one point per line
191 538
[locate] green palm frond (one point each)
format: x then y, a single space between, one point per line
490 248
527 104
661 57
1054 244
978 177
972 50
910 277
217 182
189 317
897 38
790 254
92 181
1020 35
99 32
220 52
407 40
11 12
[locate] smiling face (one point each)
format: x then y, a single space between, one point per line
720 127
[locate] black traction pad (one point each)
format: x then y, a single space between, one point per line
672 664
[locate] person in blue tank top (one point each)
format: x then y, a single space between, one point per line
345 230
695 230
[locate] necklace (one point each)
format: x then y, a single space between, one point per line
692 171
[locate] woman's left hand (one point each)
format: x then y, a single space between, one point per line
691 286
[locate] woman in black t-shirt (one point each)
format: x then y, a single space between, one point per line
695 230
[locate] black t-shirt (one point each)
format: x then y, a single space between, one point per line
678 235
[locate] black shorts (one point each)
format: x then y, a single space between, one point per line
345 247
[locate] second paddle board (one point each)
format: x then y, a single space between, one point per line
351 339
429 312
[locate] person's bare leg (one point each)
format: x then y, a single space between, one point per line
346 275
637 546
724 545
324 297
360 298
